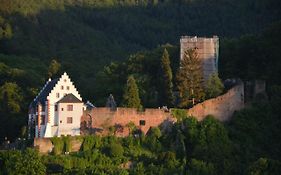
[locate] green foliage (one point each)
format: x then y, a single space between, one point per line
54 68
214 86
253 56
190 79
138 169
91 142
10 98
132 127
58 145
169 159
252 129
206 140
275 98
166 82
82 33
115 150
5 29
197 167
180 114
131 94
152 141
265 166
67 143
213 144
26 162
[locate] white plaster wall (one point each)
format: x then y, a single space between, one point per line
52 115
63 81
65 128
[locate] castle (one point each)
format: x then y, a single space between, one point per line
58 110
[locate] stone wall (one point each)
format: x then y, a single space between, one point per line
99 120
221 107
45 145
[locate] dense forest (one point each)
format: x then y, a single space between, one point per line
100 43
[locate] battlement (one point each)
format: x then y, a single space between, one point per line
198 39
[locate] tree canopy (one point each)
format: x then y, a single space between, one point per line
131 97
190 79
166 80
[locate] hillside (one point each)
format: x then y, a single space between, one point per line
100 43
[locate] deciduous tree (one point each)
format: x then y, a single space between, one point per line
214 86
54 68
10 98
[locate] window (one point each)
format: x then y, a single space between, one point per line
142 122
61 109
64 80
69 120
67 87
69 107
58 95
61 87
56 107
42 120
43 108
60 121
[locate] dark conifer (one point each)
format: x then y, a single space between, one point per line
131 97
190 79
166 84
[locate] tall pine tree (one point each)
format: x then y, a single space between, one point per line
166 84
190 79
131 97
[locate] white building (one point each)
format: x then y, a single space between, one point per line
56 110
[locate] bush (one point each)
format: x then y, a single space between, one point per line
67 144
180 114
91 142
115 150
58 145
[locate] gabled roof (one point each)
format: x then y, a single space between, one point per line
42 97
70 98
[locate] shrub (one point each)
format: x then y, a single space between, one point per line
58 145
115 150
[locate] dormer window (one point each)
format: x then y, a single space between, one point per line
58 95
61 87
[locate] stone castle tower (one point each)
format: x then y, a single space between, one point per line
207 49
